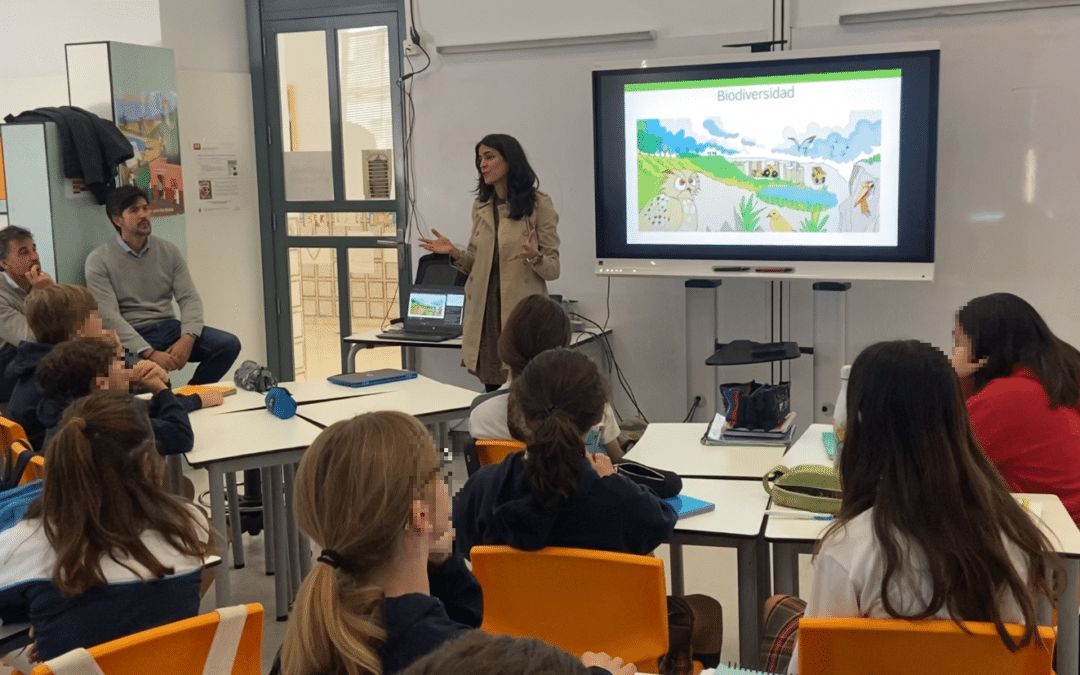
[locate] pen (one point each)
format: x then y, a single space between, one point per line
798 515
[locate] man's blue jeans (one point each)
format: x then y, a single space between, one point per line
215 350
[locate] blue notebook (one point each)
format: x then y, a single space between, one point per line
688 506
829 438
371 377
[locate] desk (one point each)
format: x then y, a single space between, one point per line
810 448
677 447
227 442
14 636
736 522
368 340
253 439
304 392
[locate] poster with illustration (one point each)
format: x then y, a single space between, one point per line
782 160
145 108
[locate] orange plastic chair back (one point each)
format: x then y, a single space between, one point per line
575 599
493 451
35 469
178 648
898 647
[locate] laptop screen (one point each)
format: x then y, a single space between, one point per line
435 308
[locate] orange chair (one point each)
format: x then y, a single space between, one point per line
577 600
493 451
178 648
35 469
897 647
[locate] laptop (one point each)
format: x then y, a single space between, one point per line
433 314
372 377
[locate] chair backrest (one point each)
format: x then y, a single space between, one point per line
575 599
180 648
34 469
436 269
898 647
495 450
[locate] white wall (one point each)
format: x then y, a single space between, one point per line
33 35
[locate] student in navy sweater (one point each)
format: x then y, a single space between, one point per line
370 494
77 368
106 551
554 493
1023 388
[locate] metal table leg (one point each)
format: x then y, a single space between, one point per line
350 360
291 535
281 548
305 547
750 609
785 569
268 521
678 586
234 520
217 519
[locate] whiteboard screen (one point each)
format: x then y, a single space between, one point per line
805 159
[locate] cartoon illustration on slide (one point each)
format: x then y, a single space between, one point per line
674 209
698 176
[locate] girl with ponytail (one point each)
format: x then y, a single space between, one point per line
370 495
554 493
106 551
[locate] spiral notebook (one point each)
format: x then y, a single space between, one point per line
733 670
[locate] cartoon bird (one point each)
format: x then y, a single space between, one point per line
818 175
673 209
864 194
777 222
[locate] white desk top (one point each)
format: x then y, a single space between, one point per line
370 337
250 432
677 447
1054 521
810 448
418 397
740 506
303 392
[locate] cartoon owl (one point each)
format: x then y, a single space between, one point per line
673 210
770 171
819 175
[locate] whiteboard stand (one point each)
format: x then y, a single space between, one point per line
702 326
830 345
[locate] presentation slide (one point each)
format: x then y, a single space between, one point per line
427 306
787 160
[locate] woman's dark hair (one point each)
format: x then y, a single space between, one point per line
521 180
910 455
1008 332
560 395
536 325
105 487
480 653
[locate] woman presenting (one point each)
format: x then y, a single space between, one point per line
513 251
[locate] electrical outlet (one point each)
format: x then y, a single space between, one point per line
410 48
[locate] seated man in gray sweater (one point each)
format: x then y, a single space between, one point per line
21 269
134 279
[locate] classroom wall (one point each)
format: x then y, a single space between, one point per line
990 237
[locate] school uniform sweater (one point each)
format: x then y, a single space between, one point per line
134 290
129 601
168 418
1034 448
497 506
26 392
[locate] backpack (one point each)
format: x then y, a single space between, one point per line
15 499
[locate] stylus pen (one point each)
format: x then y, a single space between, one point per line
798 515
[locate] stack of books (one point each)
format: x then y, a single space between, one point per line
721 433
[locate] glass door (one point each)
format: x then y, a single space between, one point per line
335 136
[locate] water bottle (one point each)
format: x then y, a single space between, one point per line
840 412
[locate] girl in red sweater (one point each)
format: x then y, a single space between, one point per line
1023 389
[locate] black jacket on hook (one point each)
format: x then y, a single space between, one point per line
92 147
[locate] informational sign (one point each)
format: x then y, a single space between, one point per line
217 169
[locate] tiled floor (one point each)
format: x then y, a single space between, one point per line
708 570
